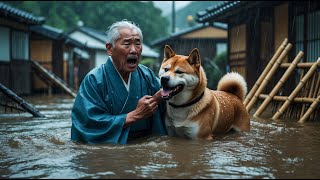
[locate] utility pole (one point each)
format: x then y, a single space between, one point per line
173 16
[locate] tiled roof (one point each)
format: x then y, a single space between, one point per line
47 31
18 15
228 9
213 11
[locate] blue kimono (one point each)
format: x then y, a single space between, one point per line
102 103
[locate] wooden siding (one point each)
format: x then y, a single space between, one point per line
206 47
57 58
41 51
209 32
20 77
237 49
266 47
5 74
280 25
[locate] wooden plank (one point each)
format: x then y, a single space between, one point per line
59 82
25 105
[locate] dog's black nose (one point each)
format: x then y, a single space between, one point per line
165 79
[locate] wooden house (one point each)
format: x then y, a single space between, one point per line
209 39
46 47
257 28
15 64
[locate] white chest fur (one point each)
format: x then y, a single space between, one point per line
178 123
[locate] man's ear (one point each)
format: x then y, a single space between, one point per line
194 58
168 53
109 49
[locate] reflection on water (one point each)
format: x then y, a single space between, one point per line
41 148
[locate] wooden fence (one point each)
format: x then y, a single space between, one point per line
302 102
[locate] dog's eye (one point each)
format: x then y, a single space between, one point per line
179 71
165 69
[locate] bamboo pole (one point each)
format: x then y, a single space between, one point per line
296 90
265 71
268 77
303 65
279 84
284 98
310 110
317 91
308 93
28 107
303 72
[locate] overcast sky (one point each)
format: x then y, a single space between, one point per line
166 6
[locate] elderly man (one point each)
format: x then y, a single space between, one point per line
114 102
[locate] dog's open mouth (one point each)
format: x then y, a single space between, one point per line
168 92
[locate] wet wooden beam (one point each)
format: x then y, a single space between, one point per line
25 105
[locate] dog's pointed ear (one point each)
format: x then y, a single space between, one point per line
194 58
168 53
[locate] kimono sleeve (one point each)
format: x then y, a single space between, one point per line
158 126
91 119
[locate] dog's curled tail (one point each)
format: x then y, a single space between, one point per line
233 83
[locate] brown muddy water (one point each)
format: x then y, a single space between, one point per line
41 148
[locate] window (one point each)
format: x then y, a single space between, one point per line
313 36
20 45
312 39
4 45
221 47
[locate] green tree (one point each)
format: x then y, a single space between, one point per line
215 69
99 15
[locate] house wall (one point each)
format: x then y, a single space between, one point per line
206 47
280 25
15 74
237 49
209 32
101 58
41 51
20 77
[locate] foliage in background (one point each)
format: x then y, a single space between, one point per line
99 15
215 69
151 63
190 9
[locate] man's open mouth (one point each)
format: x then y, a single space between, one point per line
168 92
132 60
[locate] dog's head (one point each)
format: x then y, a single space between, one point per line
181 75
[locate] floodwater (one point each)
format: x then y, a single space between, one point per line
41 148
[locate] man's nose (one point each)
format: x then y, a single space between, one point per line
133 49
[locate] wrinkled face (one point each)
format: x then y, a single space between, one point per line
126 53
179 73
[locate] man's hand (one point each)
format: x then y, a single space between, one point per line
147 105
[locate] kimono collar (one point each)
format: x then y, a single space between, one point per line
124 83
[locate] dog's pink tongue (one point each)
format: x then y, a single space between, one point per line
165 93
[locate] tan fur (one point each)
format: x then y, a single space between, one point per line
216 112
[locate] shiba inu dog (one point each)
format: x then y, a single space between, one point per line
193 110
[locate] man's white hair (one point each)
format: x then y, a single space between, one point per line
113 30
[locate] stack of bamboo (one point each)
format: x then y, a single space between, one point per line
308 87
